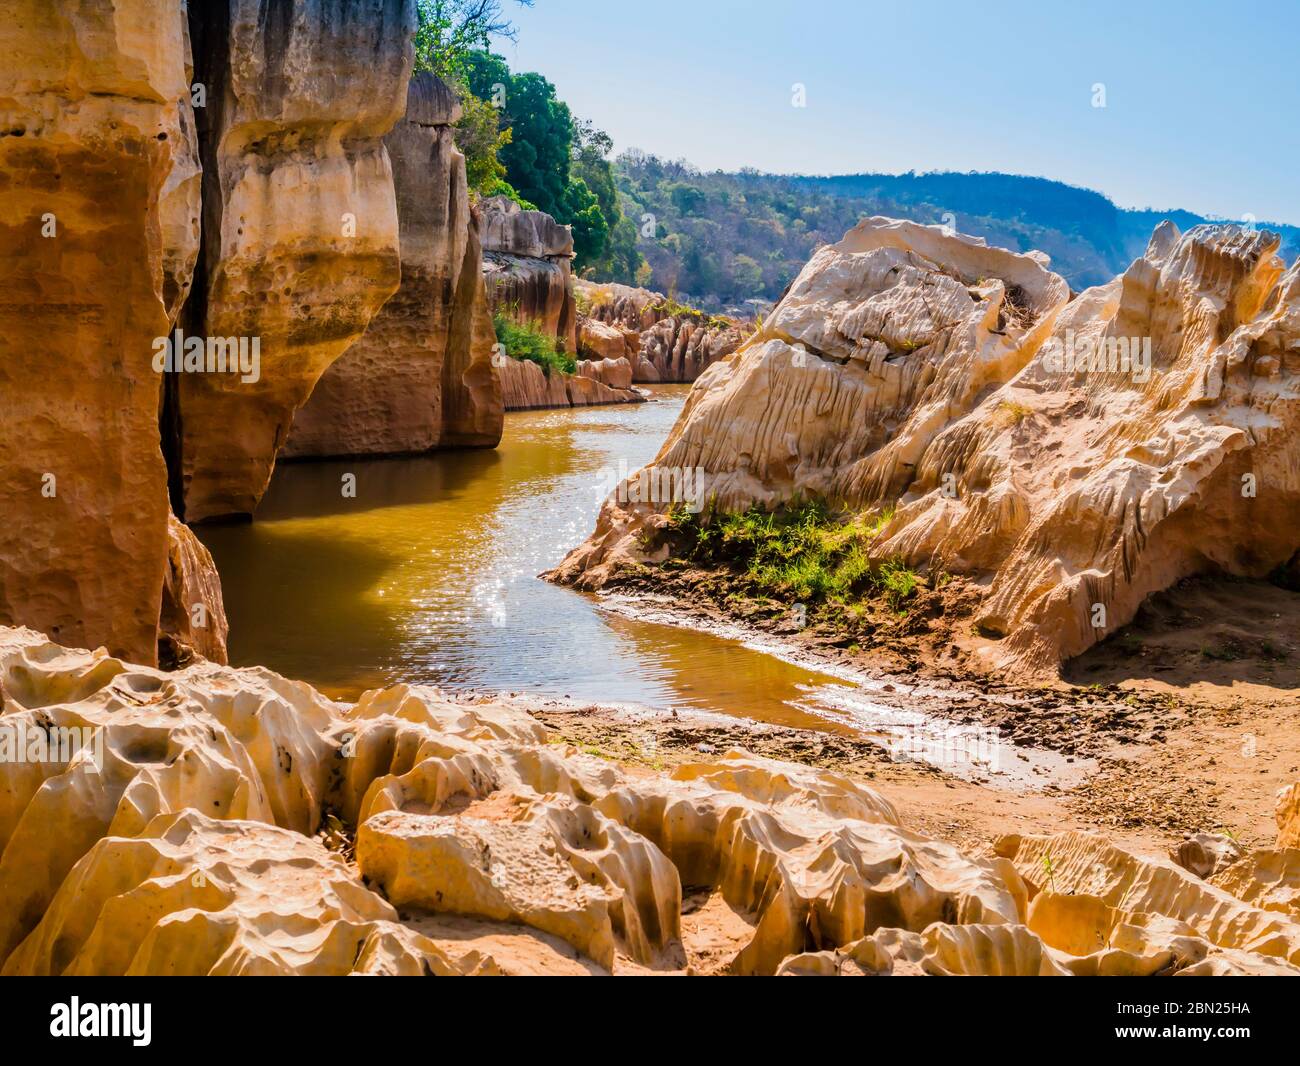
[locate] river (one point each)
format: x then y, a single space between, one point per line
429 575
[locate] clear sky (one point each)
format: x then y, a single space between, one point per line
1202 99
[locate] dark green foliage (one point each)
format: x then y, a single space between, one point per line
526 341
725 238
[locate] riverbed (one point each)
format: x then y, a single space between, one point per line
428 574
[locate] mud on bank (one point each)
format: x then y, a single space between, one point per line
1186 719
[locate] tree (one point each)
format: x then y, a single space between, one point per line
448 31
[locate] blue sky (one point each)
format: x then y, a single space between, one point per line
1202 99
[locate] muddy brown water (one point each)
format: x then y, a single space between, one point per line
429 575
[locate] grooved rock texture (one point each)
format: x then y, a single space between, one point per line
632 309
680 348
300 220
526 265
525 386
616 373
662 346
193 614
220 821
90 114
1288 818
1103 887
599 340
384 395
1028 443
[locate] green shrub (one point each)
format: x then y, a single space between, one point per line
527 341
803 551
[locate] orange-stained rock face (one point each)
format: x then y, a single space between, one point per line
384 396
300 220
90 96
525 386
948 385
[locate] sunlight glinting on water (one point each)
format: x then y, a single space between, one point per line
430 576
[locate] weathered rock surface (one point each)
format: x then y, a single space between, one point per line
91 147
1288 818
632 309
680 349
300 222
188 843
616 373
527 259
384 395
598 340
525 386
662 346
948 384
1098 889
193 619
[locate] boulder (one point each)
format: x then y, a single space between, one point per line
616 373
599 340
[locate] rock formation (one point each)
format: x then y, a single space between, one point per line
384 396
682 347
623 306
89 150
525 386
599 340
300 234
616 373
1072 458
208 819
526 264
662 344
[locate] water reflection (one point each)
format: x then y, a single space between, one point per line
429 575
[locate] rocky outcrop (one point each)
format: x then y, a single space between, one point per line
1073 459
598 340
1288 818
384 396
663 342
525 386
622 306
616 373
527 258
207 820
90 146
300 235
681 348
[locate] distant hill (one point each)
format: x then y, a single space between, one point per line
724 238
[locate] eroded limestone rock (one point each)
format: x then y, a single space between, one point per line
90 96
1073 458
525 386
300 220
527 258
192 824
384 395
